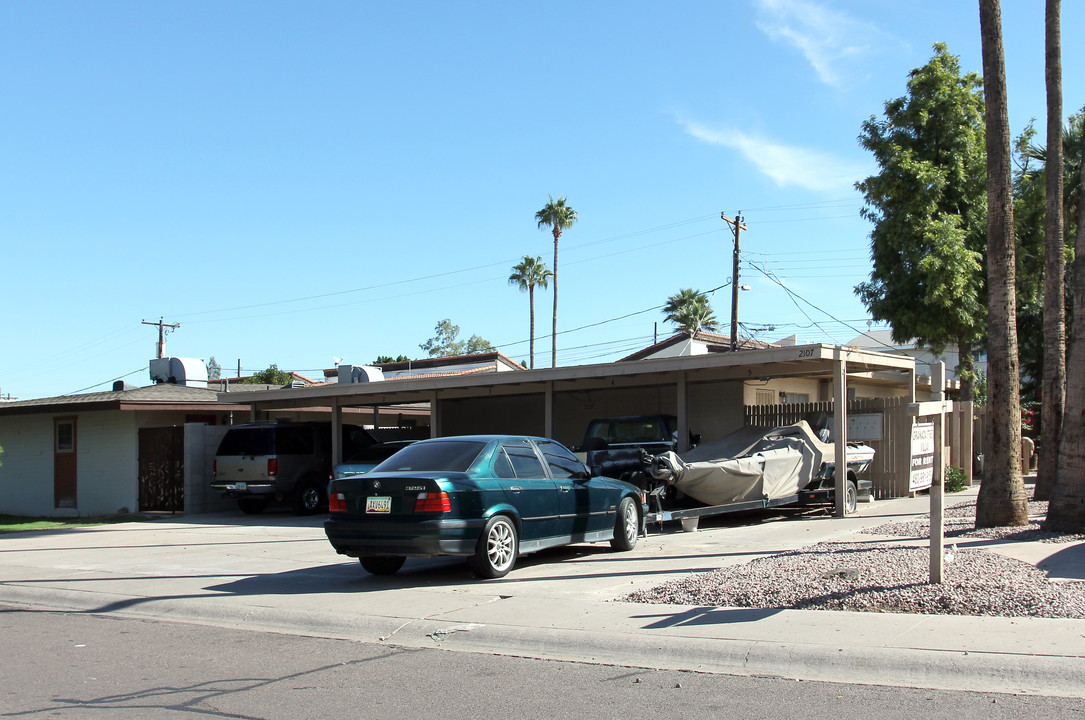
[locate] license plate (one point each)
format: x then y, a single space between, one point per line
378 504
239 486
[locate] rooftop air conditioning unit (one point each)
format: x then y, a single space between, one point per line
179 371
359 374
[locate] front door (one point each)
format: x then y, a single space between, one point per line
64 462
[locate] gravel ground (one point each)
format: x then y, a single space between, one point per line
864 577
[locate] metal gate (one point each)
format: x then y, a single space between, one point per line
162 469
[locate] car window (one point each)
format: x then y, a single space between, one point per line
524 460
247 441
563 464
503 466
294 441
434 456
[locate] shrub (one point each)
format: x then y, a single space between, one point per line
955 479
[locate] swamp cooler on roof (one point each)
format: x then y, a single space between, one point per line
191 372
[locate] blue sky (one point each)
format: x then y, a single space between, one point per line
293 182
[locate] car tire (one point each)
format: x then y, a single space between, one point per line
252 505
310 498
497 548
382 564
851 497
626 525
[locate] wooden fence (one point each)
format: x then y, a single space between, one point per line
882 423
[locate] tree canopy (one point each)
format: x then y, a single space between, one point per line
446 342
272 376
383 359
690 310
928 207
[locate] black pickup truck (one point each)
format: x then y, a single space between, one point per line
618 444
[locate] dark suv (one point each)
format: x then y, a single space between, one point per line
286 461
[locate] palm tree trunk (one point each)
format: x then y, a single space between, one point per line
1002 499
1054 379
1066 511
554 331
531 304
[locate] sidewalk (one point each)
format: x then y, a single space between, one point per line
277 572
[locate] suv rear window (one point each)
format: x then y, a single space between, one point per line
268 441
248 441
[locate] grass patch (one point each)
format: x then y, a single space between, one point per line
17 523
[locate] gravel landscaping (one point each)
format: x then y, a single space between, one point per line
890 578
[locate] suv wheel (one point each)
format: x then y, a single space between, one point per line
309 499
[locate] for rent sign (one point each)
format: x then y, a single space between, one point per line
922 471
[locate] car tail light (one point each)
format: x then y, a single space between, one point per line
337 502
272 467
433 502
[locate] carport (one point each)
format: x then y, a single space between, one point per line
701 390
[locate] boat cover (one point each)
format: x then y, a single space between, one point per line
751 464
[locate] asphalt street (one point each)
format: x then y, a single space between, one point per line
277 573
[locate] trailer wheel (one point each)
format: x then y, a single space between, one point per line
851 497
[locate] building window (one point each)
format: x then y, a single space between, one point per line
65 437
765 397
789 398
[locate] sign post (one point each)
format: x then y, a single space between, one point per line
932 434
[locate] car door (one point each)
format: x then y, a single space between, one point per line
581 506
528 488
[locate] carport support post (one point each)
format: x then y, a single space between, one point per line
938 517
548 412
434 415
683 414
840 429
337 432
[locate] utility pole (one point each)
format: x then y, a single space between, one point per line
161 334
736 225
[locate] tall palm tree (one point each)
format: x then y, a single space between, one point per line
1066 511
1054 367
528 273
1002 499
690 310
558 216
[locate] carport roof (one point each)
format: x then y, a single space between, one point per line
778 362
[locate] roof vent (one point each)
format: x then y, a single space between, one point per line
122 385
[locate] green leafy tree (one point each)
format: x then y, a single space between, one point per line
927 206
526 275
272 376
384 359
558 216
691 311
446 342
1002 500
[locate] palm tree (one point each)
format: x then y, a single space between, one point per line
528 273
1054 367
690 310
558 216
1002 499
1066 511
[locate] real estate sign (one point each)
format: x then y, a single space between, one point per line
922 468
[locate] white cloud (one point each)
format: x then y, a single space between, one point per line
785 165
831 41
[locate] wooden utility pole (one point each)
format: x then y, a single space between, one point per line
162 334
736 226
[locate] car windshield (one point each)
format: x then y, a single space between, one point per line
434 456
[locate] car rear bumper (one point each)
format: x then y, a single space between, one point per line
427 538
